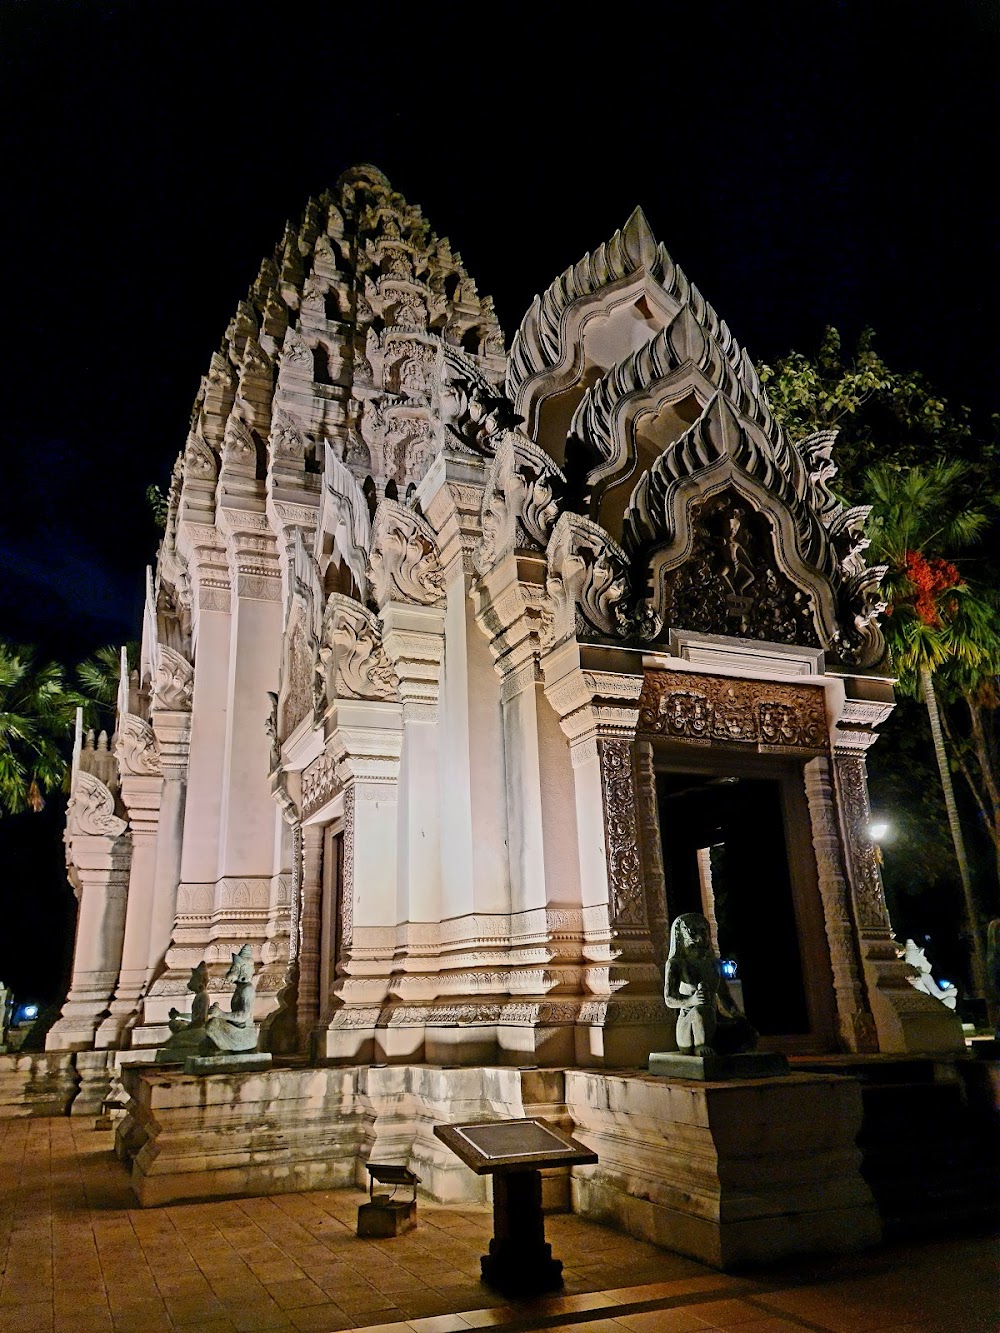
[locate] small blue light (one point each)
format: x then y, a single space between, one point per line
944 984
729 968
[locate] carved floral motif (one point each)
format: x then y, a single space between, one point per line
320 784
625 877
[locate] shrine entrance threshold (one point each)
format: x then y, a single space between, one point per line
737 846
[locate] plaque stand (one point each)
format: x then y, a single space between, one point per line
520 1259
513 1152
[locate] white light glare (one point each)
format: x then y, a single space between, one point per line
877 830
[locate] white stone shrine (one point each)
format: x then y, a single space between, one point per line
460 665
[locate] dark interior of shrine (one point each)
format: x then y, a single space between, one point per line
740 820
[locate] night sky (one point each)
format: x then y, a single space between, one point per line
806 163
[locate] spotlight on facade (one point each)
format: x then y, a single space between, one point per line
877 830
28 1011
729 968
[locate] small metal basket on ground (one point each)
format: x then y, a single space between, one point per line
384 1214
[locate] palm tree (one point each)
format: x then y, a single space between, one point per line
916 513
98 677
37 710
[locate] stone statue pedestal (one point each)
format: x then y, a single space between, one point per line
717 1068
228 1062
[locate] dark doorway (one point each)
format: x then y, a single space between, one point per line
741 823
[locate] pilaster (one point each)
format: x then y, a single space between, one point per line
365 739
98 853
598 712
905 1019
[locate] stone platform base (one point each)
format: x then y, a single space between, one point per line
728 1173
233 1062
717 1068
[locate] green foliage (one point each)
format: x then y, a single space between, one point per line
932 475
97 677
37 712
158 505
882 415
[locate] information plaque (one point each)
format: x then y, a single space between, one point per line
514 1152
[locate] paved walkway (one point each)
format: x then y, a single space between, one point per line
77 1257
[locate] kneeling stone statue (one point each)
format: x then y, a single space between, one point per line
211 1031
714 1040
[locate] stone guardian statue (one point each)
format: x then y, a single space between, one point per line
708 1021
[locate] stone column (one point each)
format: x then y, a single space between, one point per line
598 712
98 853
141 791
475 877
544 868
905 1019
365 739
856 1027
172 726
414 642
203 811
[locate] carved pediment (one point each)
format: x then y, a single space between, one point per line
474 412
404 557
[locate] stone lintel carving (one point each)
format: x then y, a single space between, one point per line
135 747
520 503
404 559
352 652
91 809
766 714
320 784
173 681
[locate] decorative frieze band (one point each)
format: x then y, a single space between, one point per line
769 715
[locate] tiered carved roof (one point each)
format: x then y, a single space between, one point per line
661 438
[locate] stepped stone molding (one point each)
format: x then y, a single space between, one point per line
681 356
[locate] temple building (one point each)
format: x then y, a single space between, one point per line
466 668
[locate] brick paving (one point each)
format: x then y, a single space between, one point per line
76 1256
